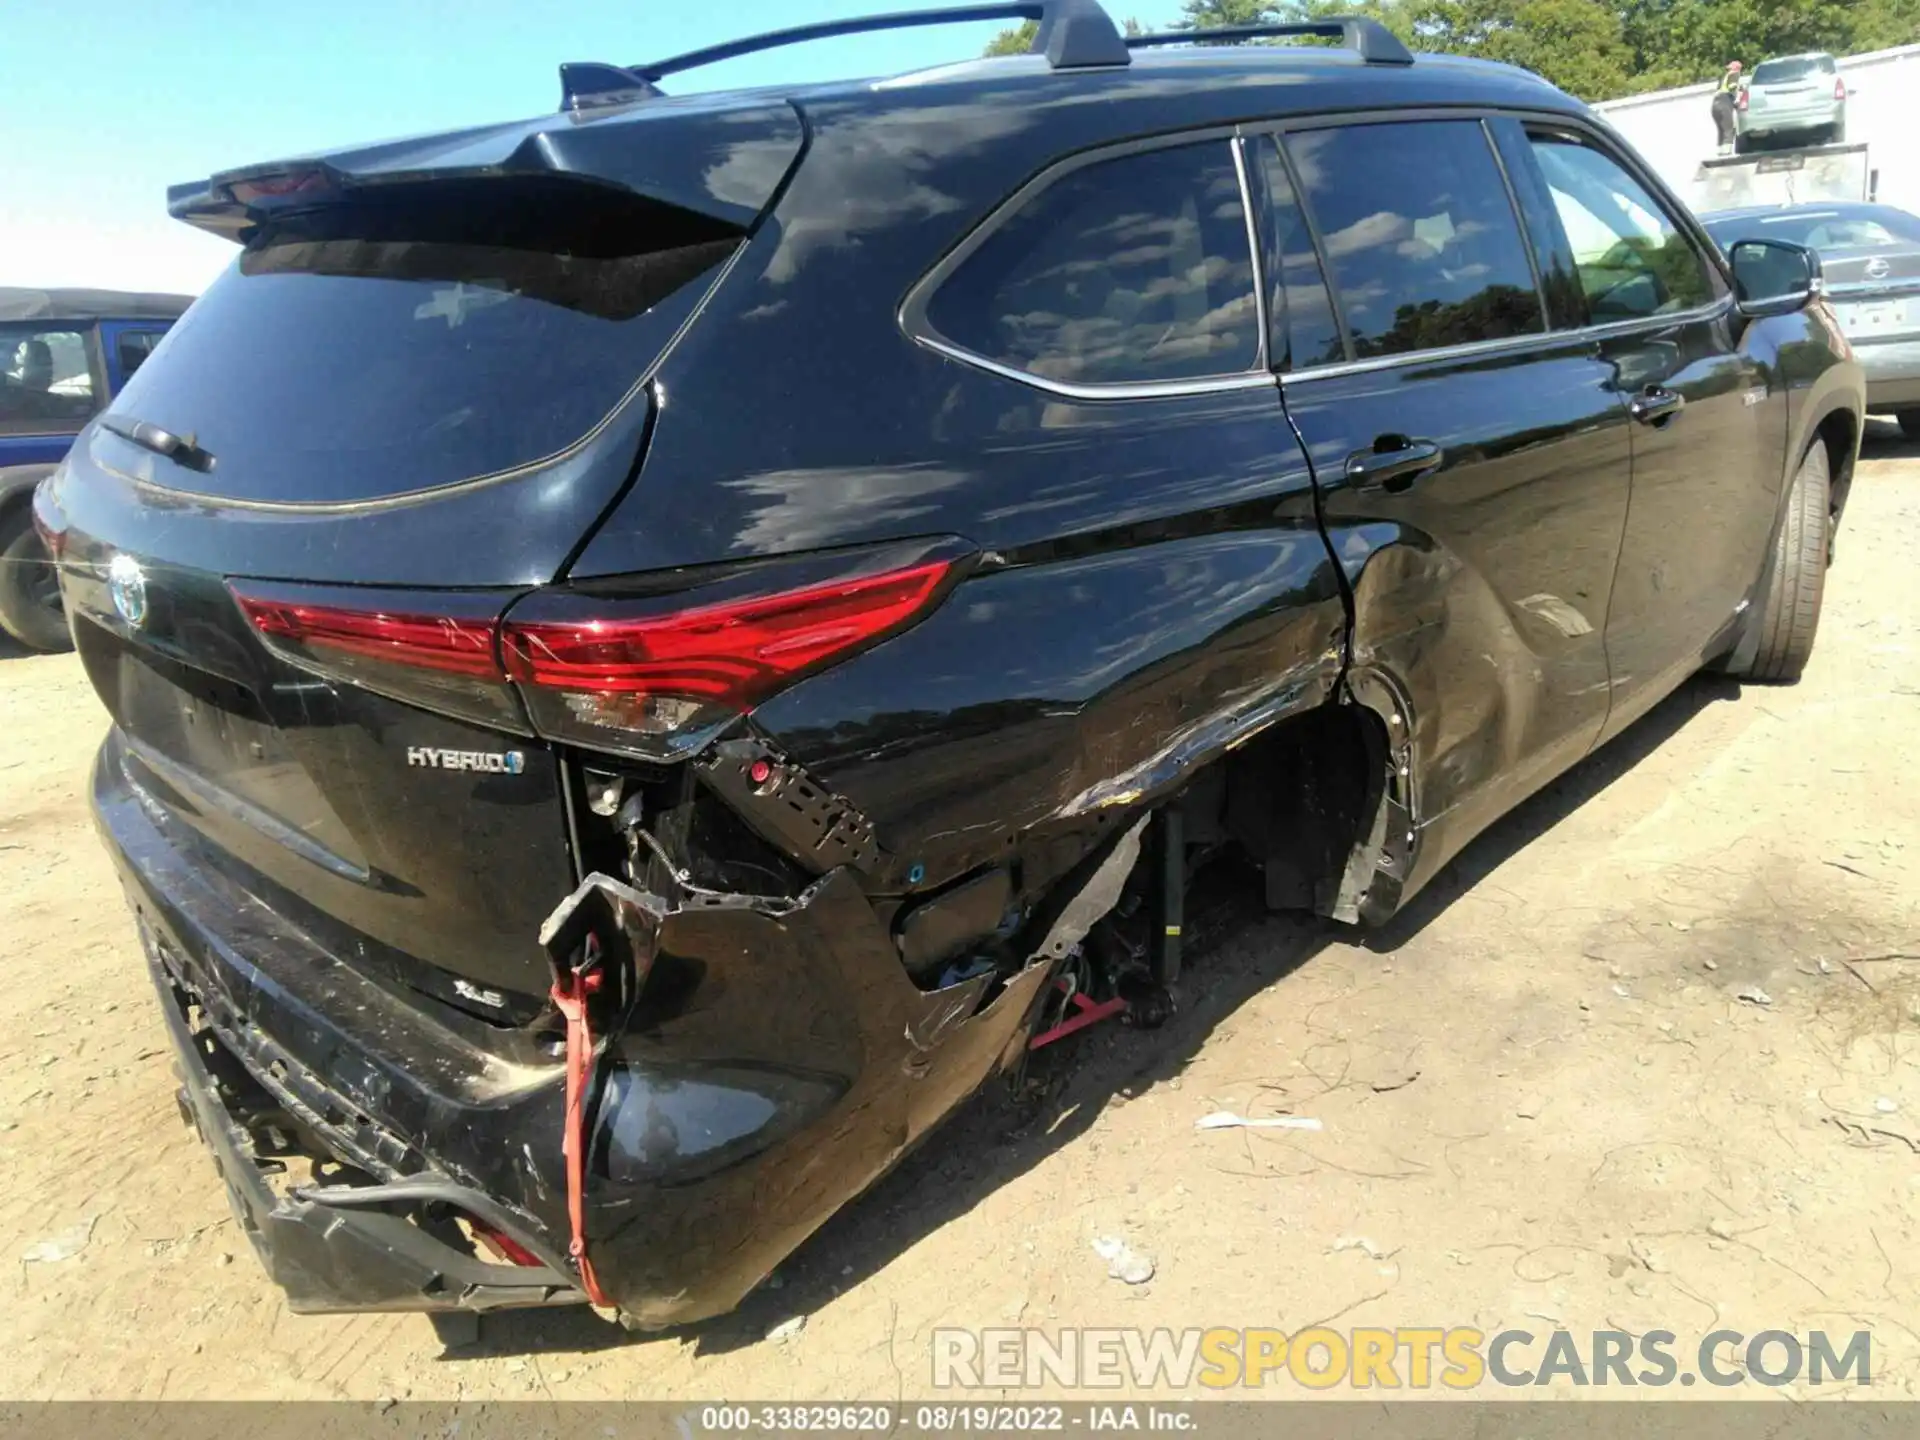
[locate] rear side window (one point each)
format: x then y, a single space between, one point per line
353 355
1305 330
46 383
1632 260
1420 234
133 347
1135 269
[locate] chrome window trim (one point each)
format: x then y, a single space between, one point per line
1116 390
912 316
1543 340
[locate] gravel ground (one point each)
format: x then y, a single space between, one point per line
1544 1100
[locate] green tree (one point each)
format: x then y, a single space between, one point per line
1596 49
1217 14
1015 39
1018 39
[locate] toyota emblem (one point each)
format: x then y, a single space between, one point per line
127 584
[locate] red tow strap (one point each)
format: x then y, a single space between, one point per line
570 994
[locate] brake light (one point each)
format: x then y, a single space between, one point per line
1740 100
588 668
1840 89
428 642
280 185
442 659
597 679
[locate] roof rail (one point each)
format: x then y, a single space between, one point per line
1376 44
1073 35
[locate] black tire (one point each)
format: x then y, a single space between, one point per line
29 587
1909 423
1742 144
1789 612
1837 135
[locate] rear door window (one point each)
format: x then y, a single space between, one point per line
133 347
1305 329
1130 270
1632 260
46 379
1420 234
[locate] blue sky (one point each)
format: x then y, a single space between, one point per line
106 102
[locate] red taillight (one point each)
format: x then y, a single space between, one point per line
1840 89
734 652
1740 100
594 672
429 642
658 673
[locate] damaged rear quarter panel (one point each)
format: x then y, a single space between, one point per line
1052 688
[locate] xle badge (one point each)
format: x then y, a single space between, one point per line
485 762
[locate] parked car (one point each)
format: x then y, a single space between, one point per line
1803 97
63 354
1871 258
739 614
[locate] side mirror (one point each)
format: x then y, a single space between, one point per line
1773 277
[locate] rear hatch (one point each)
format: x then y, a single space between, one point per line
1791 85
289 543
1875 290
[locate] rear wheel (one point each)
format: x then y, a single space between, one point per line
1742 144
1909 423
1837 132
1789 611
30 587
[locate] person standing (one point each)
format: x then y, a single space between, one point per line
1725 100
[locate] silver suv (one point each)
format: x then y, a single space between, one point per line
1801 95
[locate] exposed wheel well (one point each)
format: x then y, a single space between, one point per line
1840 433
1300 801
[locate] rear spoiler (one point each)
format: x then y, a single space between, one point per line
721 159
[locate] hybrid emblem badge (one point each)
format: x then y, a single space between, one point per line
485 762
127 584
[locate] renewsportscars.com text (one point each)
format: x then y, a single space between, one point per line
1405 1358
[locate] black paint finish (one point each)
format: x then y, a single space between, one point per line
1481 546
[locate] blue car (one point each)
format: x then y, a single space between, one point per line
63 355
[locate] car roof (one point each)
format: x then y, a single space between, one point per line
89 305
1159 91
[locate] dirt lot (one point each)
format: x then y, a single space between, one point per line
1543 1099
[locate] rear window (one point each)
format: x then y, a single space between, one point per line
1127 270
46 382
1821 229
354 356
1420 234
1776 72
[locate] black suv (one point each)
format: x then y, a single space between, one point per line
654 648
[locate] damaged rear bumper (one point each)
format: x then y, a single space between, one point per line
778 1062
331 1258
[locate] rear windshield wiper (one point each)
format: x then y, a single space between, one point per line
180 449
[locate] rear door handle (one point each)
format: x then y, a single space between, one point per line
1395 469
1656 405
